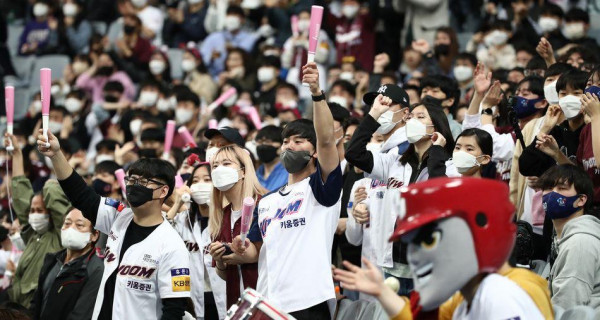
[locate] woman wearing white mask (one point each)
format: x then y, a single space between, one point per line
496 52
69 280
41 216
208 289
234 179
77 29
196 77
160 68
473 150
40 34
238 68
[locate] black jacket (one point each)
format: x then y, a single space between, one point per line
72 295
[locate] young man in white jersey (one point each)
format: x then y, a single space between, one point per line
298 221
146 269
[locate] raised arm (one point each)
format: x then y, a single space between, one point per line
327 153
591 107
482 81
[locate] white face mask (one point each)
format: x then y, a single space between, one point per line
348 76
188 65
224 178
265 74
73 105
350 10
386 122
148 98
183 116
550 93
135 126
139 3
40 9
79 67
39 222
548 24
374 147
73 239
232 23
104 157
496 38
54 90
339 100
415 130
303 25
463 73
17 241
54 127
570 106
574 31
37 106
194 1
70 9
464 161
164 105
201 192
210 153
157 66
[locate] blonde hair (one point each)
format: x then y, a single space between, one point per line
250 185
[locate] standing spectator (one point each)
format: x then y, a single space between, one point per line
102 71
160 69
551 25
498 53
152 20
185 25
271 174
423 18
525 28
39 35
463 73
439 60
78 30
445 92
196 77
268 77
238 68
577 25
214 49
69 280
132 47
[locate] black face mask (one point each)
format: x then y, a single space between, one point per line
128 29
147 153
442 49
138 195
295 161
109 98
102 188
432 100
266 153
104 71
346 145
186 176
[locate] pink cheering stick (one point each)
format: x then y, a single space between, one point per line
247 211
294 21
226 95
178 184
212 124
120 174
187 136
45 84
316 16
169 139
253 114
9 95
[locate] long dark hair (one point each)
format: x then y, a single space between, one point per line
440 124
486 144
194 212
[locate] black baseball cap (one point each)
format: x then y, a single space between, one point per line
397 94
230 134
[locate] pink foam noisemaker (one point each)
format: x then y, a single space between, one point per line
212 124
170 132
247 211
120 174
316 16
224 96
178 181
294 21
187 136
254 117
9 102
45 96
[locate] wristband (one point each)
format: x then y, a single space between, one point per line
319 98
487 111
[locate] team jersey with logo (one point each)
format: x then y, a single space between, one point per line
197 242
297 225
156 268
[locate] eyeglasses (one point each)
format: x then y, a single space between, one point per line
141 181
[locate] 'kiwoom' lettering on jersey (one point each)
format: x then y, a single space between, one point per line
393 183
192 246
136 271
110 257
264 225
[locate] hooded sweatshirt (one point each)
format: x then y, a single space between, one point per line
575 275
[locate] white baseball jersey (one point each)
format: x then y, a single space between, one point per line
156 268
498 298
197 242
297 227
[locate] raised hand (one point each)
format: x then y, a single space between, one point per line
368 280
361 213
493 96
438 139
552 117
421 46
360 195
381 61
310 75
381 104
545 50
41 142
548 145
238 247
590 105
481 79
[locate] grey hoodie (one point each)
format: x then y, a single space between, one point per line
575 275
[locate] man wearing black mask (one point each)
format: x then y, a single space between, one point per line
104 181
444 91
271 173
147 263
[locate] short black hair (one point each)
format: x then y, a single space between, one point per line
345 85
65 146
235 10
588 55
536 85
287 85
107 167
150 83
107 144
390 74
271 61
350 122
575 79
558 69
339 113
62 110
501 25
270 132
577 14
467 56
536 63
114 86
152 168
77 93
571 175
484 139
446 84
522 46
188 96
153 134
303 128
550 9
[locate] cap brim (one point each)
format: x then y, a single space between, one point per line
369 97
416 221
210 133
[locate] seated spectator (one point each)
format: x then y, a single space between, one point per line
185 24
102 71
577 25
498 53
551 25
133 48
268 77
445 91
271 174
78 30
238 68
40 35
69 281
464 66
196 77
160 69
151 19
